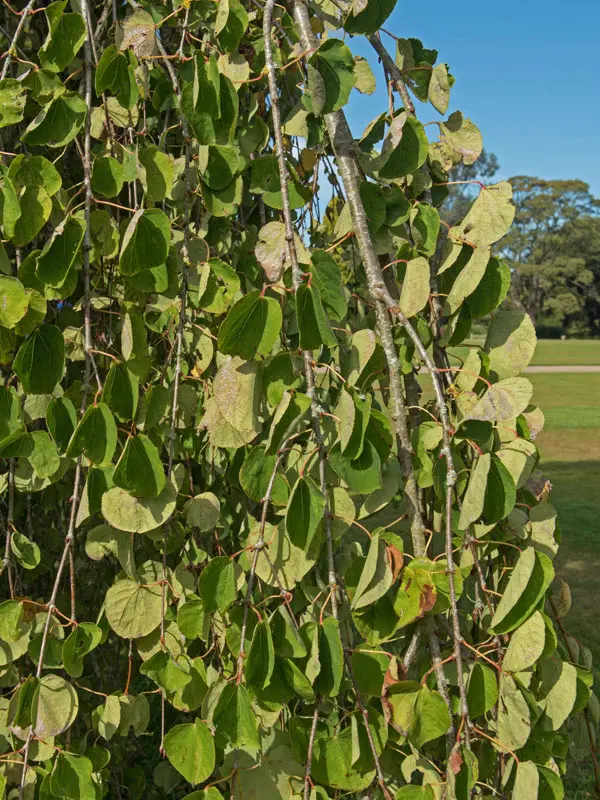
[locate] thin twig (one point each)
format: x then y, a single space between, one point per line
10 53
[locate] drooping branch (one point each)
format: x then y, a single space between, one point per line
297 281
10 515
393 71
343 146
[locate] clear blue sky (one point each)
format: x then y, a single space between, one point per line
527 73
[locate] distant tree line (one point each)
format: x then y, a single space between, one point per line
553 248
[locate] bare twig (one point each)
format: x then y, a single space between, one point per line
10 53
7 560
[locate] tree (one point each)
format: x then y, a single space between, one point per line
551 277
242 555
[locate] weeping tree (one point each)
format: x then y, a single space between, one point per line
273 527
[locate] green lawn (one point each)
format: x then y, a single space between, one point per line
556 352
570 456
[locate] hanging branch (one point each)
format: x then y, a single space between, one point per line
12 48
51 608
343 145
393 71
297 281
7 560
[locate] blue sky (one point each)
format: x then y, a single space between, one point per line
526 73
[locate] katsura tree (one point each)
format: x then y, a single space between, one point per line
267 536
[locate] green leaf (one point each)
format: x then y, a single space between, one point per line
510 343
133 610
13 301
354 415
559 691
81 641
472 505
312 322
139 469
34 171
500 495
271 778
120 391
514 726
289 412
331 659
58 123
217 584
272 250
96 436
107 177
415 286
12 102
72 776
146 241
36 206
255 477
482 690
232 414
27 553
10 210
331 77
54 707
304 512
327 278
288 563
40 361
462 137
158 175
202 512
66 35
404 149
261 657
115 73
489 218
368 17
191 751
265 180
439 88
527 781
44 458
528 582
232 21
526 645
376 576
296 680
362 475
235 721
137 515
59 255
416 595
415 793
251 327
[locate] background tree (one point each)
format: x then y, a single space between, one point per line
552 252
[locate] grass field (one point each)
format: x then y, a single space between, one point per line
559 353
556 352
570 457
